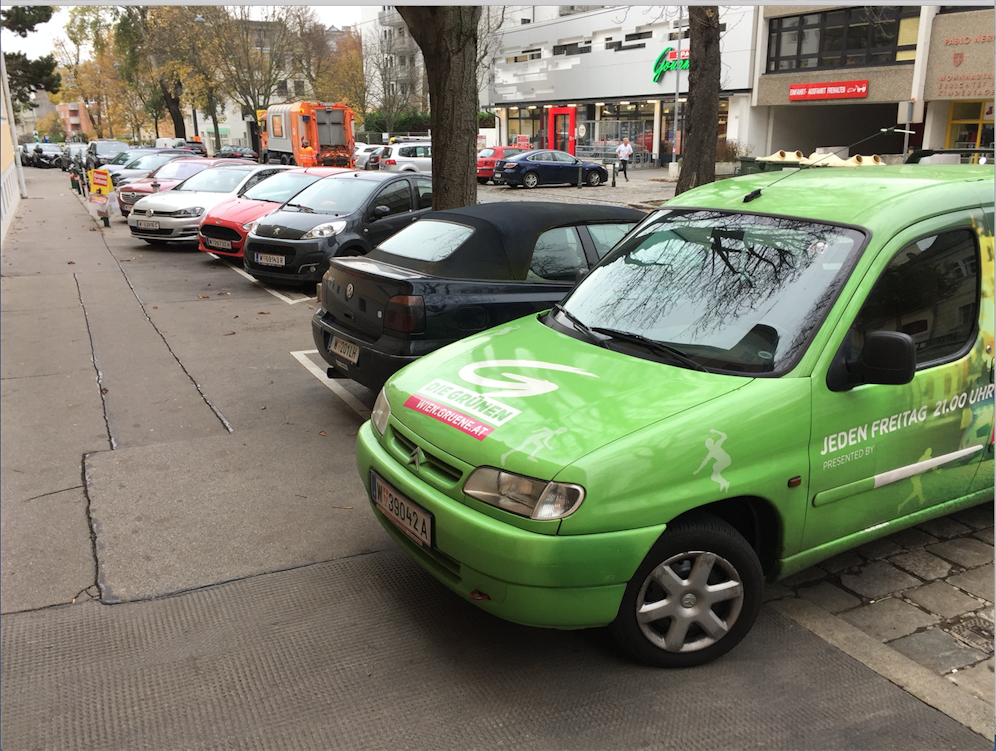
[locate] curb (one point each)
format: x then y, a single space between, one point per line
913 678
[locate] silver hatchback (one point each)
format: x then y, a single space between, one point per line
407 157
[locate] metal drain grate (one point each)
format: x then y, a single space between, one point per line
976 632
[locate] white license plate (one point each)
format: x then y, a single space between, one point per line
265 259
214 242
145 224
346 350
409 517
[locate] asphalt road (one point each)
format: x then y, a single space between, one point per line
188 559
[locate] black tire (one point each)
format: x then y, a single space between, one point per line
530 180
727 598
291 161
482 180
594 179
283 159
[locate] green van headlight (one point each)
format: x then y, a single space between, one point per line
525 496
381 412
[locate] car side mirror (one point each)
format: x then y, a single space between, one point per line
887 358
380 212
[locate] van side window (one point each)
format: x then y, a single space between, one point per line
396 196
930 291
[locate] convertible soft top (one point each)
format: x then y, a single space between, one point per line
505 235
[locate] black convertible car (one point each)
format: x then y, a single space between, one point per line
454 273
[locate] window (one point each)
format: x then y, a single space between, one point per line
557 257
570 49
298 88
277 126
606 236
524 56
930 291
424 188
396 196
871 35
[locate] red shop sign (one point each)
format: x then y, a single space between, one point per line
828 90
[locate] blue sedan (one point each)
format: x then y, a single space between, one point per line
547 167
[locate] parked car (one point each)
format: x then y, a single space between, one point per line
47 155
197 147
486 159
771 370
454 273
340 215
224 227
71 154
407 157
363 152
373 160
101 151
236 152
164 178
175 214
546 167
25 152
142 163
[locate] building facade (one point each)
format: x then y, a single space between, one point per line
583 82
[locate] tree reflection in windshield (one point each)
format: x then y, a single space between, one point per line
738 292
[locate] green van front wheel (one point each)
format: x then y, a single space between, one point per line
694 597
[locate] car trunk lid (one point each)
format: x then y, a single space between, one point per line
356 293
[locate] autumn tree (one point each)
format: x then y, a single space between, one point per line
344 80
87 61
698 161
447 36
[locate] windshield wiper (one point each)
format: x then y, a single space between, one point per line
305 209
578 325
653 345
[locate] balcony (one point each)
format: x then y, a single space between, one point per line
74 121
390 18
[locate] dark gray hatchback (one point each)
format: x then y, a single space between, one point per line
340 215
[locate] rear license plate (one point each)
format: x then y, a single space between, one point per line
265 259
214 242
346 350
145 224
409 517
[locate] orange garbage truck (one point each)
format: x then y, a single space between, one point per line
327 128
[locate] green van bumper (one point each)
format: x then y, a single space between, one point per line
554 581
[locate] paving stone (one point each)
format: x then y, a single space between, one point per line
802 577
775 591
986 613
943 599
923 564
878 579
944 527
977 581
977 679
830 598
977 517
878 549
986 535
889 619
912 538
965 551
937 651
841 561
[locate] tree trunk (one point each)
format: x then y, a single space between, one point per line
173 106
698 150
447 36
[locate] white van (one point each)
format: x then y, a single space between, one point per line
170 143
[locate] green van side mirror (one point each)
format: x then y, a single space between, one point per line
887 358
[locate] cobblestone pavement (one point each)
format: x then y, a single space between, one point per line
926 592
646 189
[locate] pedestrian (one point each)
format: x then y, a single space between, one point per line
307 154
624 151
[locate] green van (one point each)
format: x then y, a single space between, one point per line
769 371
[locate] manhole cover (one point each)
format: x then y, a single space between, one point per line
977 632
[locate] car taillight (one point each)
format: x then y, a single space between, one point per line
389 161
405 313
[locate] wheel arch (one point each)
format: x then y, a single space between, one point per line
753 517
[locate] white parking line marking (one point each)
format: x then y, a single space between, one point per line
251 278
350 400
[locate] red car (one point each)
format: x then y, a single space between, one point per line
223 229
486 159
168 176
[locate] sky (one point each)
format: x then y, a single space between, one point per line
42 42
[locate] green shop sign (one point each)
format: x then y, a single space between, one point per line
668 60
